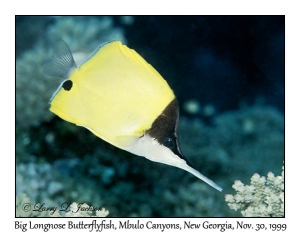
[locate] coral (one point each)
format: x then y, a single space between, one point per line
38 183
263 198
84 33
150 189
22 199
33 88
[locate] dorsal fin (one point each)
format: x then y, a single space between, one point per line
61 63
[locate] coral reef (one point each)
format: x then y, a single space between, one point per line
22 199
263 198
130 185
38 180
253 134
24 209
39 184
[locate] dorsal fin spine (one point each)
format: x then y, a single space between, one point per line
61 63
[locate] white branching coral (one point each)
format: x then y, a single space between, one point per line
263 198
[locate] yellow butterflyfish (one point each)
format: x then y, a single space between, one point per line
123 100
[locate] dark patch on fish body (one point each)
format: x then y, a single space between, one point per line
164 128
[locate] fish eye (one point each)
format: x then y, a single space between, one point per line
168 142
67 85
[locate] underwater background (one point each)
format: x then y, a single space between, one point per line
228 75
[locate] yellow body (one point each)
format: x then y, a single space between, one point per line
116 94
